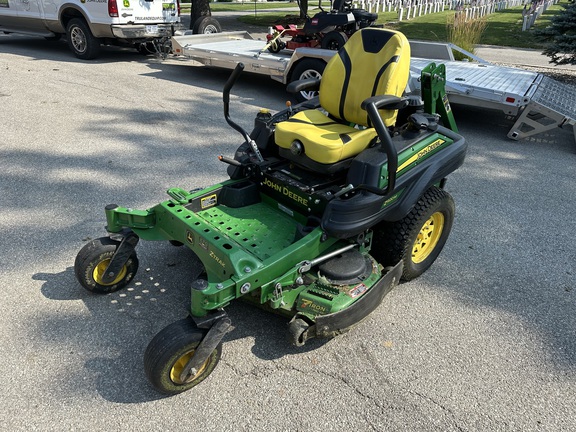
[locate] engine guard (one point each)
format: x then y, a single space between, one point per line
333 324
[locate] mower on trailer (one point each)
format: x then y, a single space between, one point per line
328 30
329 204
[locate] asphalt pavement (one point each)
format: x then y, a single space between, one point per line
483 341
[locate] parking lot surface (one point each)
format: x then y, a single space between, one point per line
484 341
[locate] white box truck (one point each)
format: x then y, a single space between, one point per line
87 24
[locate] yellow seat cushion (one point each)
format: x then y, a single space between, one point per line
373 62
324 140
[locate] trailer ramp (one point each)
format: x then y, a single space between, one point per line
552 105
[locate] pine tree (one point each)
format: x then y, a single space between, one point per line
562 35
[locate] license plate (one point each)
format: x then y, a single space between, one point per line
152 29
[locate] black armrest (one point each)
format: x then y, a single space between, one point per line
372 105
386 102
312 84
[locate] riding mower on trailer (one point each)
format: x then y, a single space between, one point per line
329 204
328 30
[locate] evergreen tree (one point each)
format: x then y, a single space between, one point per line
562 35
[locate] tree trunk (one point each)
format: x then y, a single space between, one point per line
303 8
199 8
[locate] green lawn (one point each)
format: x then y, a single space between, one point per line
504 28
250 6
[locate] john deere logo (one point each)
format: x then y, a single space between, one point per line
189 237
126 3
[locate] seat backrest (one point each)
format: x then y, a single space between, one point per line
373 62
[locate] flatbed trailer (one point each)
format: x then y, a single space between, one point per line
536 102
227 49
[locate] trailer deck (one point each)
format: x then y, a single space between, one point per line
228 49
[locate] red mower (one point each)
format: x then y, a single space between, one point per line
328 30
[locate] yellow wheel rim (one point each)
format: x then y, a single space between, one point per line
428 237
178 367
101 268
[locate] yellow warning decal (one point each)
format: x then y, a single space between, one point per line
208 201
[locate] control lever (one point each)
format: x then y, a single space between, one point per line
226 98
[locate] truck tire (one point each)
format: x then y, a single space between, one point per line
81 41
308 68
206 25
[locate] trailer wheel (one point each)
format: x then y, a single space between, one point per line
92 261
206 25
334 40
419 237
81 41
308 68
169 351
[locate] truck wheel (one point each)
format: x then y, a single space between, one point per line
206 25
334 40
168 353
81 41
92 261
308 68
419 237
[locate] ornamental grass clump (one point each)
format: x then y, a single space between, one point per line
465 33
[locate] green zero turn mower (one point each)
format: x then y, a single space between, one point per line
329 204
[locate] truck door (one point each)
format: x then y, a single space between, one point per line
148 12
8 13
29 13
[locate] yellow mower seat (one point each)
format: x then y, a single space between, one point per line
373 62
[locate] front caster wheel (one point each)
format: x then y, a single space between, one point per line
168 353
92 261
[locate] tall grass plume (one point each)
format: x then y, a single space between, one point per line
465 34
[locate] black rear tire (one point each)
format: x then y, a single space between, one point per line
81 41
419 237
334 40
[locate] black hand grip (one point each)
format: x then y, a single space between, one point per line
231 80
371 107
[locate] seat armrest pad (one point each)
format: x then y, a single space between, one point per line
312 84
385 102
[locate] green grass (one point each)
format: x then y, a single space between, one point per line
249 6
504 28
